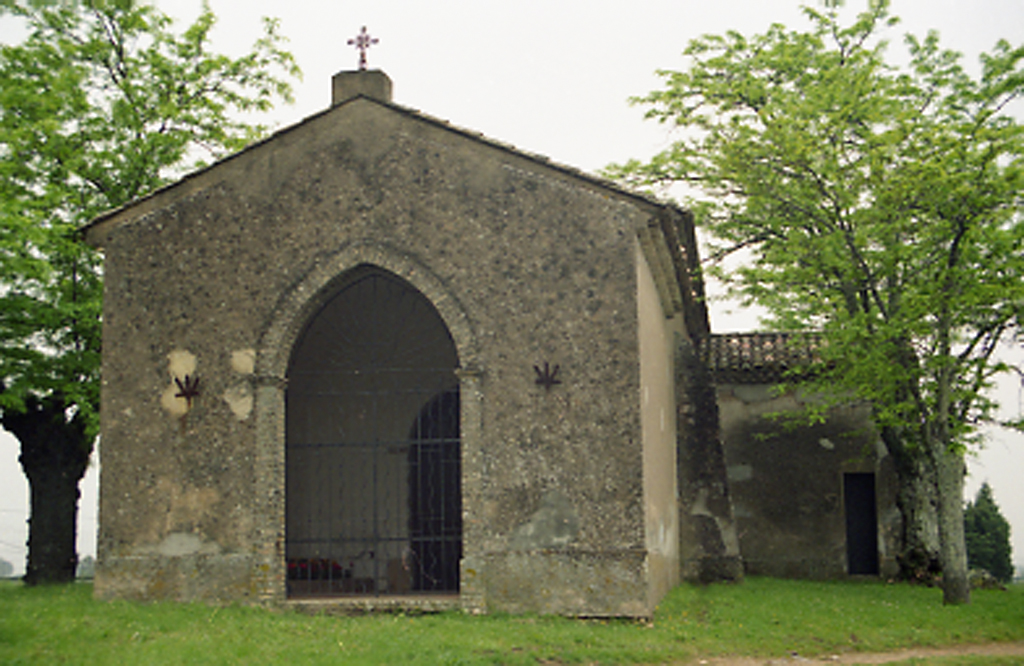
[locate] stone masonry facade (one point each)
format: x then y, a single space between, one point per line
569 491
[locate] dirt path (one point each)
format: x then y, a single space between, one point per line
987 649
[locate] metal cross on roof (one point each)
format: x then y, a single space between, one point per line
362 41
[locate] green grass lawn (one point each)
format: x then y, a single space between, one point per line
762 617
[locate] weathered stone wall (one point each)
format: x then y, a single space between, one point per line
215 278
786 482
709 545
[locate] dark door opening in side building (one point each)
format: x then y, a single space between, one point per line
861 524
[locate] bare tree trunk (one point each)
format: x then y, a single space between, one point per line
52 534
956 587
948 461
919 559
918 555
54 455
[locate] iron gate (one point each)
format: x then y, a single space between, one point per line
372 467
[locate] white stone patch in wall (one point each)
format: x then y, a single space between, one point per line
700 504
741 511
240 400
243 361
180 544
180 363
737 473
239 397
555 524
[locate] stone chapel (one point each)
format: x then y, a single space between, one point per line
379 361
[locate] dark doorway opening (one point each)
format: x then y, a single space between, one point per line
373 497
861 524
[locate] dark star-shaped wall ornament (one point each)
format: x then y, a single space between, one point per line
188 388
547 377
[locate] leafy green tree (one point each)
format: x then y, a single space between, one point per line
877 204
988 536
100 104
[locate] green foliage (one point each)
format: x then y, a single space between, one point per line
763 617
988 536
101 104
878 205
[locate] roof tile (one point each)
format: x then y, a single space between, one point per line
758 358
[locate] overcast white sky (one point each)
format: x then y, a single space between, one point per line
551 77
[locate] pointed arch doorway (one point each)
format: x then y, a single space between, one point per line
373 501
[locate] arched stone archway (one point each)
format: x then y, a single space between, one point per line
372 478
273 378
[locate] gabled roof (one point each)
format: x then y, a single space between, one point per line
759 358
536 158
668 239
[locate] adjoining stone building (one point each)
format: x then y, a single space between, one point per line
810 500
377 360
